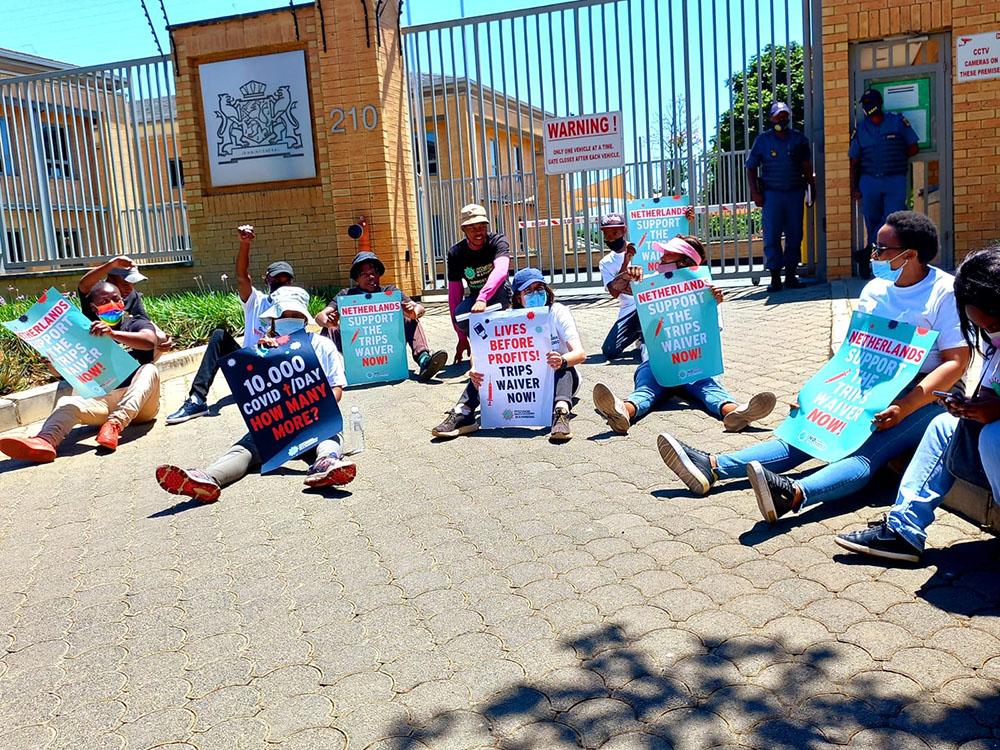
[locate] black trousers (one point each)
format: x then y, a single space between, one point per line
220 345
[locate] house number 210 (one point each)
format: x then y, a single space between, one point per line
368 118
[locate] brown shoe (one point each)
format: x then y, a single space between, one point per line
109 434
560 431
34 449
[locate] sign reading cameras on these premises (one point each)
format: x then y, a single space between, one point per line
258 123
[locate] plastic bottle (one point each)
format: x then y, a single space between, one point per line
357 431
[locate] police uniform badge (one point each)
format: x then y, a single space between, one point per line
854 133
774 154
906 122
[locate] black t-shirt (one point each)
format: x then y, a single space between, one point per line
475 266
335 335
132 324
132 302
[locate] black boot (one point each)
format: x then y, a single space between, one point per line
775 285
791 280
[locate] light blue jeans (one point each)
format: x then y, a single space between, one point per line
709 393
927 480
843 477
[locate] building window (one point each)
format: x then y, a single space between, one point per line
69 243
518 164
437 237
15 248
6 160
432 153
176 169
494 157
58 161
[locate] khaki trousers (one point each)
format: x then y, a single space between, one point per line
138 402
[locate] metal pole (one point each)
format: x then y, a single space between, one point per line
101 94
482 120
57 210
585 177
83 157
44 236
534 169
687 97
167 71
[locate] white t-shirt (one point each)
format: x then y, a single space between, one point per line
610 266
329 359
564 332
991 374
928 304
256 303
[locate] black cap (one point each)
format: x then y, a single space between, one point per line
280 266
871 101
366 257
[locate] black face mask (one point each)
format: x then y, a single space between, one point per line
616 245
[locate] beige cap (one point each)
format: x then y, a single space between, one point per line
474 214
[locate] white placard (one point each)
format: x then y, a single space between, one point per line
258 124
977 56
585 142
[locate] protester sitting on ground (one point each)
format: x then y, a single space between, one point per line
907 289
221 343
530 290
963 443
617 275
136 399
481 262
288 314
681 252
366 273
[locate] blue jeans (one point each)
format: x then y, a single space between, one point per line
625 331
843 477
782 214
710 394
927 480
881 196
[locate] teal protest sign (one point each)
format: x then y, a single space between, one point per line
56 329
680 325
838 404
655 220
371 329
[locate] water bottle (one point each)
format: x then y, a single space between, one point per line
357 431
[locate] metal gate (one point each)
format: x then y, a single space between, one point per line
692 78
90 167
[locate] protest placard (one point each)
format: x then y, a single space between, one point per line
837 406
284 397
371 332
655 220
509 348
680 325
56 329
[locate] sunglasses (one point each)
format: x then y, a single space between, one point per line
878 250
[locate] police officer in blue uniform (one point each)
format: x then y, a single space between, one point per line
881 147
782 157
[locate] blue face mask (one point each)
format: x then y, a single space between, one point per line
288 326
536 299
882 269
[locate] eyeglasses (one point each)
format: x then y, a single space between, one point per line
878 249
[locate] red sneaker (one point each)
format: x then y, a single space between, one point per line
34 449
109 434
327 472
188 482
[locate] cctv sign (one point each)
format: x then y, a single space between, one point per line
584 142
978 56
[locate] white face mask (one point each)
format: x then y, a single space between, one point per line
288 326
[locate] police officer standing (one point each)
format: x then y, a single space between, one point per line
881 146
782 157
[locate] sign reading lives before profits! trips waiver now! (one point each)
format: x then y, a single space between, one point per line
584 143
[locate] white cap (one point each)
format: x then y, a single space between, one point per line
474 214
287 299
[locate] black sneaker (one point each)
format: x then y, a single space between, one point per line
190 409
775 493
692 466
792 281
456 424
432 366
878 540
775 285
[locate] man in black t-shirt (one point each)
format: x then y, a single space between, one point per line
136 399
366 273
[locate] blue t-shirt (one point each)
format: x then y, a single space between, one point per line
882 148
780 159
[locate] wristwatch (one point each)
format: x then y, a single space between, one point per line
564 364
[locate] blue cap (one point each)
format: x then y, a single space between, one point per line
777 108
525 278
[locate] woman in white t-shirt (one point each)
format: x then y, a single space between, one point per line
906 288
965 442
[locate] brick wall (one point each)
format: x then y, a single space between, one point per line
975 114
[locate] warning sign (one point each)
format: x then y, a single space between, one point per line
978 56
585 142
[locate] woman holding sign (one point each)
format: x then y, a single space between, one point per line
906 289
680 252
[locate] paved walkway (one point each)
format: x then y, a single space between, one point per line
494 591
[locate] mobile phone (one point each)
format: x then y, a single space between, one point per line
948 396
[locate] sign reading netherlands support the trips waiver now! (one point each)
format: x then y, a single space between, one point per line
837 406
680 325
583 142
509 349
56 329
655 220
372 335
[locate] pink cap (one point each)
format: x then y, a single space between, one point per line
679 246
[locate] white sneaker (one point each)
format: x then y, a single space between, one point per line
756 408
612 408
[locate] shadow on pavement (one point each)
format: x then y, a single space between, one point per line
183 505
967 578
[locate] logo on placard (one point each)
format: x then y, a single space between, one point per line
258 124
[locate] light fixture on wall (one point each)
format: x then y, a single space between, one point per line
360 233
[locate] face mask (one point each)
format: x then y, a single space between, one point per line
288 326
111 313
882 269
536 299
616 245
668 267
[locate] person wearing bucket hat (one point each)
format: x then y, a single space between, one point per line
880 151
680 252
221 343
779 168
617 275
287 314
530 290
366 273
477 269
